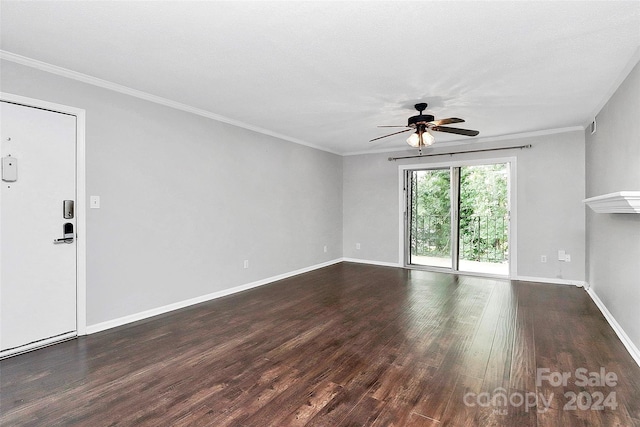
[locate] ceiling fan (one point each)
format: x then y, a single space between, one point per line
423 124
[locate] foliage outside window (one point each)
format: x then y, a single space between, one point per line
483 213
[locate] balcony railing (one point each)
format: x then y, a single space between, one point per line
482 238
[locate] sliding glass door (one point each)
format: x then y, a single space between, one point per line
484 219
430 217
457 218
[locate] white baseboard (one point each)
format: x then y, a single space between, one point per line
98 327
629 345
366 261
553 281
626 341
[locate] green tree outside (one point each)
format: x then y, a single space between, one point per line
483 213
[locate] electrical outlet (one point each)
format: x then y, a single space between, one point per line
246 263
543 258
567 258
358 246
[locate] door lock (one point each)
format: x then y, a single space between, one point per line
67 209
68 234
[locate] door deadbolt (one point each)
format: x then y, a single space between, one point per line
67 209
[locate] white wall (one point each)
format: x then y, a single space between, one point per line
550 213
186 199
613 240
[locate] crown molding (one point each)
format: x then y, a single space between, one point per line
505 137
615 85
105 84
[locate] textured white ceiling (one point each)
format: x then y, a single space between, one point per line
326 73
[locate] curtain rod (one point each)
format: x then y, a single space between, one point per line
391 159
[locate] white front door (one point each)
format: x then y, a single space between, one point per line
38 275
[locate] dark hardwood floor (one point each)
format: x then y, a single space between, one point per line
346 345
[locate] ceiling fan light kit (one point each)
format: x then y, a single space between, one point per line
421 138
423 124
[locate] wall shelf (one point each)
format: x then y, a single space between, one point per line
620 202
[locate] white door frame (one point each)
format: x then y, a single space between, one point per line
513 243
81 205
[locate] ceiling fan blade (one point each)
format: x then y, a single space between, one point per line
446 121
395 133
388 126
466 132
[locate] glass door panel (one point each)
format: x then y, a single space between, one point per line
429 217
484 219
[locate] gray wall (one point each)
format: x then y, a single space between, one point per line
186 199
613 240
549 189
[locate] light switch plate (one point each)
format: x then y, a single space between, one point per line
94 202
9 169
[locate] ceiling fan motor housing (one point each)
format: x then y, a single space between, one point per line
420 118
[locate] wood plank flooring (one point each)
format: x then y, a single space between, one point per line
346 345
